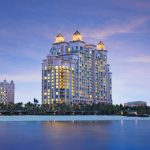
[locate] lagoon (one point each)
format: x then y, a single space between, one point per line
74 133
69 118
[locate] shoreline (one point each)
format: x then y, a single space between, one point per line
70 118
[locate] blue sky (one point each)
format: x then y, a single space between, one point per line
28 28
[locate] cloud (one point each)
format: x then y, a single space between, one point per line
144 5
23 77
4 33
140 4
131 82
140 59
129 26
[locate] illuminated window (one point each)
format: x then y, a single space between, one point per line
69 50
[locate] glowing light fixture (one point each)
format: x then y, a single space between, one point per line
101 46
59 38
77 36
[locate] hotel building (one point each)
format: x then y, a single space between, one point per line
7 92
76 72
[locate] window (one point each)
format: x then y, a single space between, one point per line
69 50
81 48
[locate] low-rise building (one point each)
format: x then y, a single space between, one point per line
135 104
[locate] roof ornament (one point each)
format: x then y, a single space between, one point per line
59 38
101 46
77 36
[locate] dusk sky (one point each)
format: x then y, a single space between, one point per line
28 29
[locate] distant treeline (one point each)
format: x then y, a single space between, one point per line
70 109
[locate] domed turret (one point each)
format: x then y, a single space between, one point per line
59 38
77 36
101 46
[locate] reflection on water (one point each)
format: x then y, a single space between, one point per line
121 121
136 122
104 135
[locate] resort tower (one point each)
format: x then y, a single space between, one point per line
76 72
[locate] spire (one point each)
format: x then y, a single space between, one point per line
101 46
59 38
77 36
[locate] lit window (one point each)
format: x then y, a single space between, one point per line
69 50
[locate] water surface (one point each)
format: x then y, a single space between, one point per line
100 135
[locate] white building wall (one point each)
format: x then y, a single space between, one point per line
76 55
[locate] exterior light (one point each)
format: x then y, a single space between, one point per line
59 38
101 46
77 36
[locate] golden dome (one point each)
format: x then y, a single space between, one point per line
77 36
101 46
59 38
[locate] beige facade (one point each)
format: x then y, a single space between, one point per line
7 92
76 72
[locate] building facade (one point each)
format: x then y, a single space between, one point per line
76 72
7 92
135 104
